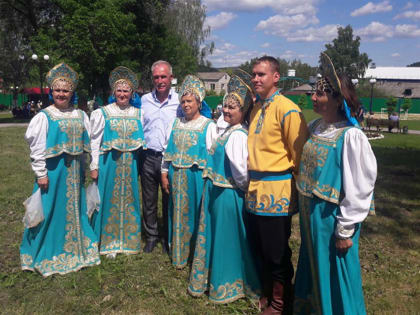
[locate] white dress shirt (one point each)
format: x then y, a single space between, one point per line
158 119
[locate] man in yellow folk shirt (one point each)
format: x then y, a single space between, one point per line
277 133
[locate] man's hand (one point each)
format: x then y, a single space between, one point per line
165 182
343 245
94 174
43 183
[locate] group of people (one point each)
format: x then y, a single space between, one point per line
229 189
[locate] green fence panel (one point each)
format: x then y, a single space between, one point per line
213 101
7 99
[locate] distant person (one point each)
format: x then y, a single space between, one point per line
393 119
336 179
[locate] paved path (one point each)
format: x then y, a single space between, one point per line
14 125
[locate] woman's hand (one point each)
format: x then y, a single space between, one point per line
165 182
43 182
343 245
94 174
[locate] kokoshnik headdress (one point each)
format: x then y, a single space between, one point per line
330 82
192 85
239 88
62 72
123 75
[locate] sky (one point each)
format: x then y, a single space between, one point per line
299 29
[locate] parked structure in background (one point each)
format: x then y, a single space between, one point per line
401 82
214 81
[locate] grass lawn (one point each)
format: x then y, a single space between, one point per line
148 284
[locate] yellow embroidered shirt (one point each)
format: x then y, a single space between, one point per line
275 143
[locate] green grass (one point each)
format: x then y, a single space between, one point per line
148 284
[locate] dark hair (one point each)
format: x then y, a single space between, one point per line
274 63
348 92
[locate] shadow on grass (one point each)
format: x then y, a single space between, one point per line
397 197
12 120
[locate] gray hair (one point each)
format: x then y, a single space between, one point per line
162 62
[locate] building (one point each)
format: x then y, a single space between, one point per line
214 81
396 81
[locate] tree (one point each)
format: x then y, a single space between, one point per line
186 18
96 36
406 105
345 55
303 101
415 64
391 103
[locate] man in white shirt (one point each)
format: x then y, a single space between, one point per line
160 108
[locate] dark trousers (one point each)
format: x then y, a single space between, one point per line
150 164
269 236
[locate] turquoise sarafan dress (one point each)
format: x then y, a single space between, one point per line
223 264
64 241
327 281
185 156
117 224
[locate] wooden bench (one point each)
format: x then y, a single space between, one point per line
380 122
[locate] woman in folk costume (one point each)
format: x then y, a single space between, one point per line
335 184
117 135
223 264
182 169
58 136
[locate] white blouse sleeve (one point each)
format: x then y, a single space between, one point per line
359 176
237 152
86 123
211 135
97 125
36 137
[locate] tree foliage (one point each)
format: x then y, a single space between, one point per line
303 101
406 105
414 64
344 53
95 36
391 104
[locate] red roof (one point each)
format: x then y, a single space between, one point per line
36 90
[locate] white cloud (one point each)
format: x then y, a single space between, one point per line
265 45
395 55
375 31
378 32
407 30
314 34
283 6
415 15
220 20
370 8
288 54
409 5
282 25
233 59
